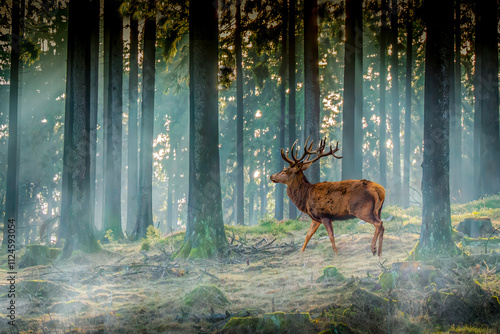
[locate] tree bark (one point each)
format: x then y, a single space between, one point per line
435 236
76 214
395 124
383 87
280 188
113 67
456 115
352 136
145 200
240 200
205 235
311 81
133 139
94 15
407 133
487 11
292 134
12 184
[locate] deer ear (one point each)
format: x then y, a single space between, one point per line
305 166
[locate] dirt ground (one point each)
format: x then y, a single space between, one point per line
125 290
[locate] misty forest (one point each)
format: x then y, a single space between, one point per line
249 166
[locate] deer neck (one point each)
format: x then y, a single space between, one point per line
298 191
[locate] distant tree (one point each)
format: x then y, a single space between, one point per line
205 235
487 21
113 72
383 87
75 214
133 138
352 138
292 122
435 236
311 81
280 188
240 175
407 134
12 191
395 124
145 204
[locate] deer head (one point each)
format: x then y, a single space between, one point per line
298 165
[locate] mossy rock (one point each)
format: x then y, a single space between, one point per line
331 274
70 307
277 322
54 253
206 296
35 255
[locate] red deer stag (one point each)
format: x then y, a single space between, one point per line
327 201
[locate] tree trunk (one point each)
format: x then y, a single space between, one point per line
352 137
251 198
280 188
133 138
95 13
477 109
263 192
487 11
383 87
292 134
145 200
12 184
456 117
205 235
170 206
240 175
435 236
311 81
76 215
113 64
395 124
407 134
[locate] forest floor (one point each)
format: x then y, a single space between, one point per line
137 288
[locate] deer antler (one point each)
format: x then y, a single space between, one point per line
319 152
308 152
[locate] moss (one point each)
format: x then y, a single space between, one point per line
145 245
331 273
205 297
277 322
388 279
54 252
35 255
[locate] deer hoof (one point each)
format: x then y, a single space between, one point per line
374 252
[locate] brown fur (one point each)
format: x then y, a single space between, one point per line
328 201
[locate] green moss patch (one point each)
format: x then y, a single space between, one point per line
206 297
277 322
331 274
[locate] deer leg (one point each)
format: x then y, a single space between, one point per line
327 222
379 232
380 238
312 229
